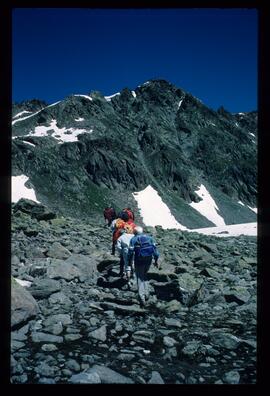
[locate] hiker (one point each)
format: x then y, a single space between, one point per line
109 215
116 226
122 245
143 248
130 213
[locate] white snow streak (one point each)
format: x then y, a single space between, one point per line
22 112
18 189
109 98
23 282
229 230
154 211
253 209
79 119
134 94
85 96
252 134
179 104
32 115
207 207
31 144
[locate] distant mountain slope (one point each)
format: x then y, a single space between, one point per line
88 150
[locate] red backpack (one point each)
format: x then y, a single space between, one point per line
118 226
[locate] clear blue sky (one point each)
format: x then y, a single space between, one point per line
210 53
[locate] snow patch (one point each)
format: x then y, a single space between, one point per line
154 211
79 119
21 113
253 209
60 134
19 190
134 94
23 283
179 104
229 230
207 207
211 123
109 98
252 134
85 96
31 144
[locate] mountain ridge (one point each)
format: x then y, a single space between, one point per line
156 135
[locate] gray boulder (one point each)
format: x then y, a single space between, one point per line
36 210
42 288
23 305
99 334
58 251
109 376
155 378
60 269
85 378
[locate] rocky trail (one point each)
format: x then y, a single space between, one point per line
74 320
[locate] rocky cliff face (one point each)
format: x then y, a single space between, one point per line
157 135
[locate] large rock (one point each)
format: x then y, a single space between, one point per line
85 378
99 334
23 305
109 376
42 288
60 269
58 251
224 340
58 318
44 337
87 266
155 378
36 210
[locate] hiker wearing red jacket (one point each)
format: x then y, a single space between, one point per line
109 215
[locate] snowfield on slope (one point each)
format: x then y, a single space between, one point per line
207 206
19 190
155 212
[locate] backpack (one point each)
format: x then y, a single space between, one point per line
129 227
144 246
119 224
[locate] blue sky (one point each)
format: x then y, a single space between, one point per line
210 53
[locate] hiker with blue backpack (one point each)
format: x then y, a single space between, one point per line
143 249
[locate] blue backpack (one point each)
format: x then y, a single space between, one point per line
144 246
